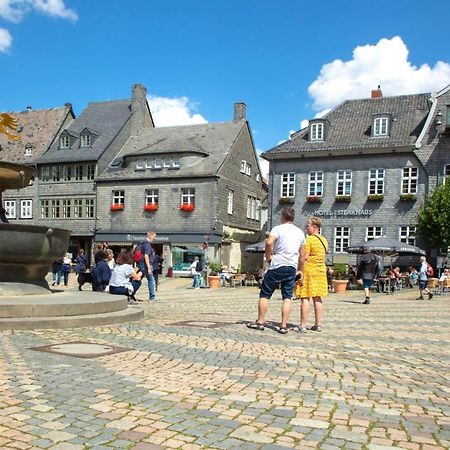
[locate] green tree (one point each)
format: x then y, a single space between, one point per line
433 219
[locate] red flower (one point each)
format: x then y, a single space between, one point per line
314 199
188 207
117 207
151 207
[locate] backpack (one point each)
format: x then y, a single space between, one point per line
198 267
137 253
430 271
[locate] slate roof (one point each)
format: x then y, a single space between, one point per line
210 142
38 129
104 119
349 126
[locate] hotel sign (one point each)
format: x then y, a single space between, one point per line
344 213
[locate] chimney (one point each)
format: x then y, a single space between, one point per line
376 93
138 108
29 108
240 110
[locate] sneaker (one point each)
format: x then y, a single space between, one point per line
316 328
301 329
430 296
133 302
419 298
366 301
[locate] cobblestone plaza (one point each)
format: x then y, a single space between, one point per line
191 375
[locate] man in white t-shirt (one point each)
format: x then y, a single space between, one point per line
282 253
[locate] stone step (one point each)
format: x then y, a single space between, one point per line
130 313
56 304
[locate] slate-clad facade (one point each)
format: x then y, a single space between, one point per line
365 168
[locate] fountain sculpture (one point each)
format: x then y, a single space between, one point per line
26 251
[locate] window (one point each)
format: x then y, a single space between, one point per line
167 162
248 170
79 172
446 171
258 177
381 126
90 171
344 182
188 196
316 131
140 165
409 180
10 208
376 182
151 196
288 184
26 209
148 164
341 239
230 201
28 150
157 164
67 173
45 209
78 208
407 235
85 140
45 173
175 163
315 185
64 141
66 208
373 233
252 208
56 173
55 208
90 207
118 197
243 165
258 210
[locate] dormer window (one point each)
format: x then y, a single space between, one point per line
380 126
28 150
64 141
85 140
317 131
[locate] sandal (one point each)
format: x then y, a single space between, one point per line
316 328
255 326
282 330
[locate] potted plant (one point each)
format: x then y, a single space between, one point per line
117 207
375 197
213 277
340 278
187 207
408 197
286 200
314 199
343 198
150 207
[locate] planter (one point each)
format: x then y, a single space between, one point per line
339 286
343 198
117 207
408 197
375 197
151 207
286 200
314 199
187 207
213 281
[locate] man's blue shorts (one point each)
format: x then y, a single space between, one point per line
284 276
423 284
367 283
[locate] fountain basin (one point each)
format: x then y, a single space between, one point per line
15 176
26 256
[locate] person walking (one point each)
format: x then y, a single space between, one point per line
367 272
66 268
196 272
314 283
81 263
282 253
124 279
145 264
423 279
56 271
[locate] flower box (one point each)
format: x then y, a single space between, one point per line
286 200
314 199
187 207
375 197
343 198
408 197
117 207
151 207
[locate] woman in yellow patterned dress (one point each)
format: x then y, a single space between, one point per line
314 281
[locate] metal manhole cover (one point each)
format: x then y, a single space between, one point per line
81 349
201 323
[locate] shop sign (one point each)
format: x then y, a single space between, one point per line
134 238
344 213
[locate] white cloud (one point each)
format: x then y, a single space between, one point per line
5 40
174 111
15 10
385 64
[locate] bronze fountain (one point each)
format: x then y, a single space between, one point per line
26 251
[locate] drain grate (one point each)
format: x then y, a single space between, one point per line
81 349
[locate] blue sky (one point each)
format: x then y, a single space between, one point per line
289 60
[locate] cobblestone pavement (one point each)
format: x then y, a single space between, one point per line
194 376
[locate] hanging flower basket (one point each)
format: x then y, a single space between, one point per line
314 199
187 207
117 207
151 207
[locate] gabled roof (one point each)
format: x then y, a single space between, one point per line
210 143
106 118
37 128
349 126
